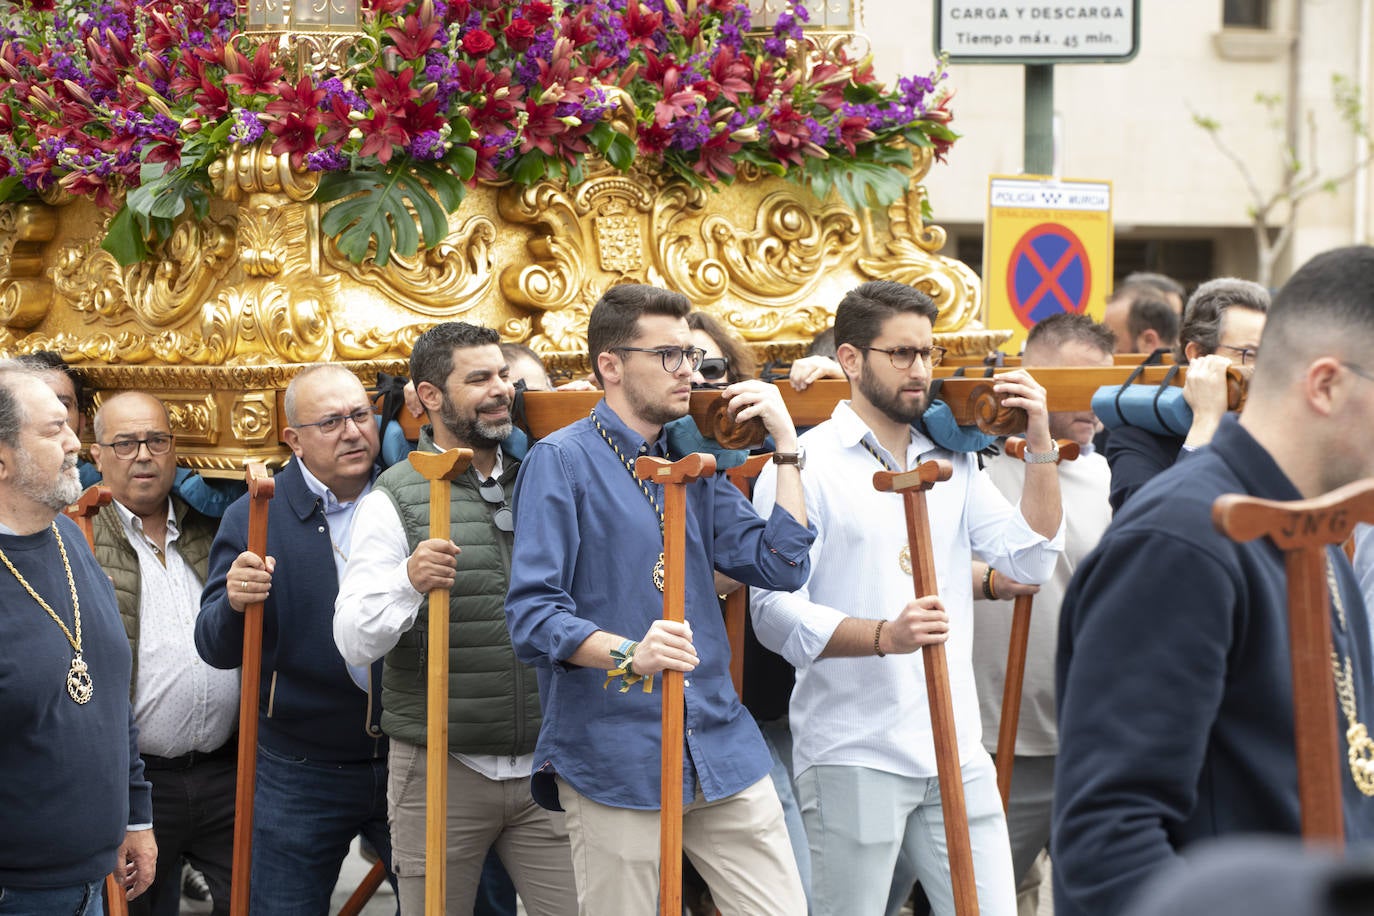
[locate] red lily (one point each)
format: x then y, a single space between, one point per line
255 77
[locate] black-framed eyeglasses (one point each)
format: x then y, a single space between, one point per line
333 424
1247 354
903 357
672 356
503 518
715 369
157 444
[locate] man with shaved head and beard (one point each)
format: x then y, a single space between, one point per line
863 748
156 550
74 796
462 377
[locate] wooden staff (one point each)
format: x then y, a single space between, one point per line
366 888
736 603
1302 529
83 512
1016 650
674 476
913 485
439 468
260 490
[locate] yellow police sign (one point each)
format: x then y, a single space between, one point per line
1047 249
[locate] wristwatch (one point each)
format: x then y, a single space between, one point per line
798 457
1050 457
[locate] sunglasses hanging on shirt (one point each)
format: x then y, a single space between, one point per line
491 491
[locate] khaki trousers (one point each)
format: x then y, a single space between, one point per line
482 813
739 845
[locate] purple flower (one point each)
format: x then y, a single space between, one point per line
776 47
247 129
325 160
427 147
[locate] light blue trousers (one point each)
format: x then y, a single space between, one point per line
874 834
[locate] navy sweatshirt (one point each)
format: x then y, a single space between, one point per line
1174 686
73 780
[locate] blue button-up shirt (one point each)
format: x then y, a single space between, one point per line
586 541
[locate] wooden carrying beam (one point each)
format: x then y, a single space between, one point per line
971 400
1303 529
674 476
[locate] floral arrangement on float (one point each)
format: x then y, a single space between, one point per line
131 101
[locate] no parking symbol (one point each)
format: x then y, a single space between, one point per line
1048 273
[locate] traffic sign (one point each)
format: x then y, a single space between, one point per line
1048 249
1054 32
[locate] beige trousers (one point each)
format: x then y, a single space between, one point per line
482 812
739 845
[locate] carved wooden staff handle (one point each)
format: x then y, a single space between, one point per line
1016 649
439 468
260 490
1302 529
913 485
674 475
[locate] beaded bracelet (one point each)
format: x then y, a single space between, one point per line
877 640
989 588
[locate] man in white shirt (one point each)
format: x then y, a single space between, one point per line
863 753
155 549
462 378
1065 339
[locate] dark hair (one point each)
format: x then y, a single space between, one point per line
1207 305
47 360
823 344
431 359
1150 314
12 413
860 315
1143 281
615 317
1329 299
737 352
1068 327
514 351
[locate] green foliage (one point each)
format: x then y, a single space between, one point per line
375 207
877 180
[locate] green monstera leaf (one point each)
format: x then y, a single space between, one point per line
381 206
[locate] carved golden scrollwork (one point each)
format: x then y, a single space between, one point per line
442 281
171 286
373 342
910 257
252 419
265 320
256 170
26 294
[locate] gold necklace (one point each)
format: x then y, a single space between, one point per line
903 555
79 686
659 569
1361 747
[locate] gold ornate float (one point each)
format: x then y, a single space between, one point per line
226 308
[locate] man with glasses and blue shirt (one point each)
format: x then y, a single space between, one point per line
863 748
321 767
586 599
463 379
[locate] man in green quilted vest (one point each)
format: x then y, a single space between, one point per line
155 549
463 380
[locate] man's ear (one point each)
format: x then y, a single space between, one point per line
1148 341
1321 382
610 366
1193 350
292 438
430 396
96 452
850 358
